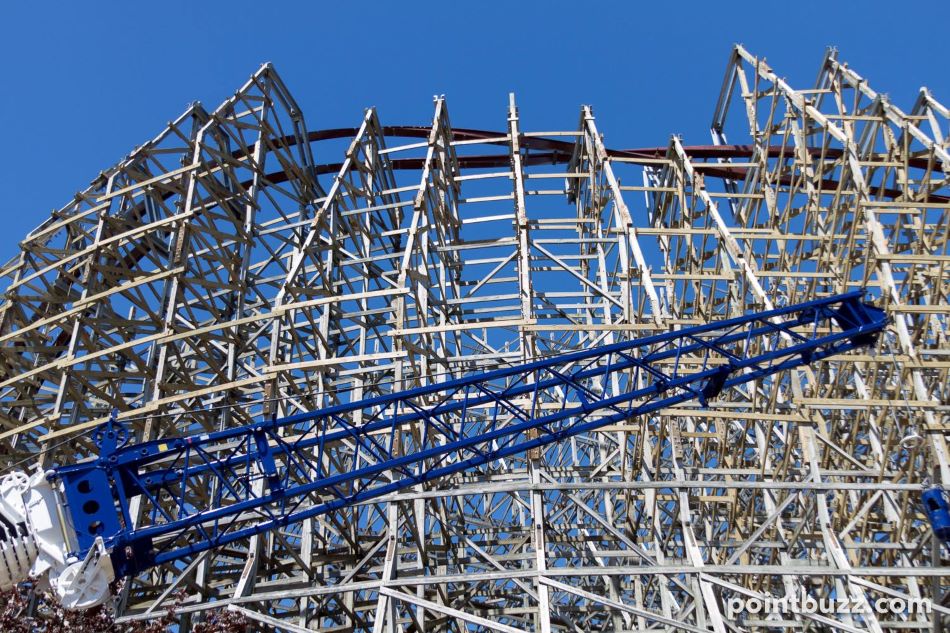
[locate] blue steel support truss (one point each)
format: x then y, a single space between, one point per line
205 491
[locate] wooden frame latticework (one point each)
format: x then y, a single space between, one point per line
240 265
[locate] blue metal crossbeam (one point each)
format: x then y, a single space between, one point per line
204 491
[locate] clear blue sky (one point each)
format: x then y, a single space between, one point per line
86 82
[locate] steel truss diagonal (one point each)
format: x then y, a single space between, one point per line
241 267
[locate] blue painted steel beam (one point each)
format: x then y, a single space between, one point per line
316 462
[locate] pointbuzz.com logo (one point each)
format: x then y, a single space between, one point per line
805 603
